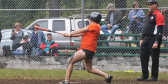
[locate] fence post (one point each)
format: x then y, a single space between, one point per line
82 2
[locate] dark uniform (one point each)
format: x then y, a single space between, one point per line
152 33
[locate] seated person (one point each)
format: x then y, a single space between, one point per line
48 47
25 48
113 20
165 32
165 26
6 50
136 17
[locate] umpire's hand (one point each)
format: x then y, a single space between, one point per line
155 45
140 42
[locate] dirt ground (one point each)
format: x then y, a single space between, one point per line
34 81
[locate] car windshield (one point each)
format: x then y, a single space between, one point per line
6 35
43 24
58 25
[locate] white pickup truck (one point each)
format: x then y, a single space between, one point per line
63 25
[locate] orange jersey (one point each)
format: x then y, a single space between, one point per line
89 39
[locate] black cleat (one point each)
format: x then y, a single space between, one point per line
109 78
142 78
152 79
65 82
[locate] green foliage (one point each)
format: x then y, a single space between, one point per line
9 18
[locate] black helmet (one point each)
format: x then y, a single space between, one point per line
95 16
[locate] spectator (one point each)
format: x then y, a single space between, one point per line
165 27
113 20
165 34
48 47
25 48
16 36
136 17
165 31
36 38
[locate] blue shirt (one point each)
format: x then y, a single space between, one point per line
139 15
111 18
48 45
34 39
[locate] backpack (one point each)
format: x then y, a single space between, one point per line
6 50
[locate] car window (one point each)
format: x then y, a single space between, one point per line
58 25
80 23
6 35
43 24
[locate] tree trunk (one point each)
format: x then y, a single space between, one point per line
121 4
54 4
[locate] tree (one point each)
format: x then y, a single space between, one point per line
54 4
8 18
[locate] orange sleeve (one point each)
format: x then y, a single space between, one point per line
92 27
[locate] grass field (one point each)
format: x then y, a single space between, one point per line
17 76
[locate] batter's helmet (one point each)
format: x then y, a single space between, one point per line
95 16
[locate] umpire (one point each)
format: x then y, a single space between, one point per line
151 41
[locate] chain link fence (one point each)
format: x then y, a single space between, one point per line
28 49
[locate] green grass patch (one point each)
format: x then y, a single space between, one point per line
60 74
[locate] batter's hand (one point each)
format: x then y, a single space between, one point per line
140 42
67 35
155 45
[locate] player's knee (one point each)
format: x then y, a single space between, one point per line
68 60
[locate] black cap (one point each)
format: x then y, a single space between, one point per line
25 37
49 34
152 2
95 16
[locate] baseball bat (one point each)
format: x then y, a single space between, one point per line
40 28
